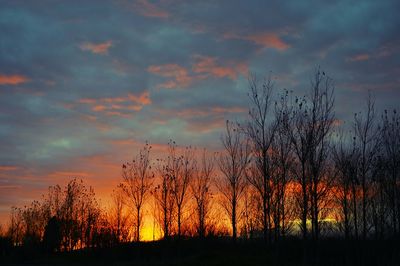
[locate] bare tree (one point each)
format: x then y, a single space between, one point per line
137 176
233 162
200 187
181 176
311 128
366 133
345 157
164 191
15 230
321 121
390 135
282 160
261 132
117 217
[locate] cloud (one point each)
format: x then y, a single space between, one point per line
12 79
8 168
359 57
210 66
96 48
180 76
270 40
118 106
202 68
148 9
69 174
264 39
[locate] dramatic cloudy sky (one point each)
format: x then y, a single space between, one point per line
84 83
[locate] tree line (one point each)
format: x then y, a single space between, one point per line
290 169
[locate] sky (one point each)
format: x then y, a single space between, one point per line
83 84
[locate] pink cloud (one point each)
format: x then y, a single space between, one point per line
179 75
203 67
12 79
209 65
96 48
265 39
149 9
69 174
359 57
117 106
8 168
271 40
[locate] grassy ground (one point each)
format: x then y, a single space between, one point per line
223 252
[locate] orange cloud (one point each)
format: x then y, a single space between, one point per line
178 73
208 65
87 101
69 174
98 108
12 79
8 168
265 39
203 67
148 9
271 40
96 48
359 57
115 106
143 98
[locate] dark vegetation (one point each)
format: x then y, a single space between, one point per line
296 185
221 251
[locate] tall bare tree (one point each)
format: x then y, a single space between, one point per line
390 135
282 160
200 187
261 129
117 217
181 176
233 162
366 132
311 128
137 176
164 191
345 156
321 120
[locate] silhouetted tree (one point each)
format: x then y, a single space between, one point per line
233 162
118 218
261 130
163 192
390 136
282 161
312 121
137 177
200 187
320 121
345 157
182 172
366 136
52 235
15 230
